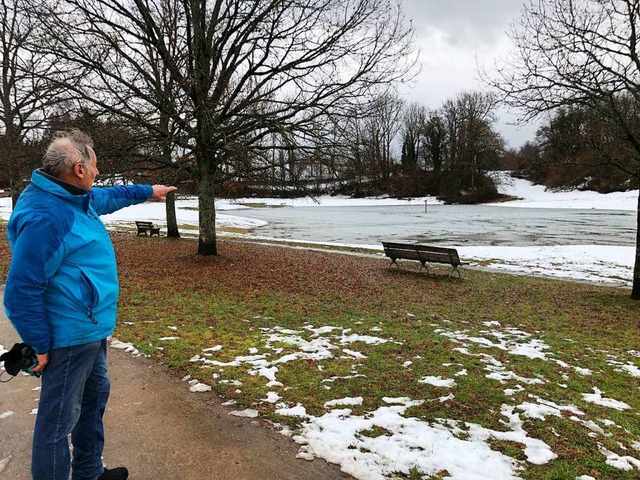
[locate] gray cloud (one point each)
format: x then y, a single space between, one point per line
453 35
464 23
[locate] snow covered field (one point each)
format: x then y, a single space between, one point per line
598 262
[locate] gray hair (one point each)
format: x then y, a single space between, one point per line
66 150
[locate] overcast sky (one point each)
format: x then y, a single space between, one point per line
452 34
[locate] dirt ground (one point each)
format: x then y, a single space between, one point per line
159 430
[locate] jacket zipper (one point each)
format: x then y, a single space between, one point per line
94 293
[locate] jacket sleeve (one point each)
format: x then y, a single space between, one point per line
109 200
38 250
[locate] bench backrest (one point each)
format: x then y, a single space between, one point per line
400 250
455 258
144 224
423 253
439 254
436 257
409 254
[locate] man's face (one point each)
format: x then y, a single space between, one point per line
92 172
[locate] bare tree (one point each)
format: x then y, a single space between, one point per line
381 125
413 124
241 69
472 145
573 148
434 137
579 52
26 97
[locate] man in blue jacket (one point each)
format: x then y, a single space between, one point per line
61 297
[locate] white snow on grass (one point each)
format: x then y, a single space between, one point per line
353 353
195 386
598 399
631 369
341 437
217 348
513 341
127 347
625 462
4 462
594 263
322 343
272 397
536 451
379 443
437 381
545 408
344 401
246 413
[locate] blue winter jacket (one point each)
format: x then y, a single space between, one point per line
62 287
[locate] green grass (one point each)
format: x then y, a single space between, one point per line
588 329
245 297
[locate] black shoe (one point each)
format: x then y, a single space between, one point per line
119 473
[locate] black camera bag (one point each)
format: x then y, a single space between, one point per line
20 357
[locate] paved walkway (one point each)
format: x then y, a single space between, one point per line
158 430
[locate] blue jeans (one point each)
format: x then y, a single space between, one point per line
75 390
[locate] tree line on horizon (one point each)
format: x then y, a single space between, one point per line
386 148
396 149
577 148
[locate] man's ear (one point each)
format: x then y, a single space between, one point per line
78 170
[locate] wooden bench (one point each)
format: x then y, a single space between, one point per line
147 228
423 254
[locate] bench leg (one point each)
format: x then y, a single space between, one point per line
455 269
423 265
394 262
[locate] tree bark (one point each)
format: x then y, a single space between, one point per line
207 209
635 290
172 221
16 185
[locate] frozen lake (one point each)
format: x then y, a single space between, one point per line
573 234
454 225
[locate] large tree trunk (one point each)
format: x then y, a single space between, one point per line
635 291
172 221
207 209
16 185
